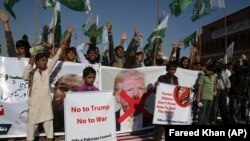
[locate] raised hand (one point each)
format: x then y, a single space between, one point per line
63 44
180 43
193 50
70 30
32 59
4 17
137 34
137 31
173 46
124 36
88 42
109 26
46 30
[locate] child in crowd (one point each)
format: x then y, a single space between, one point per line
40 100
71 55
89 75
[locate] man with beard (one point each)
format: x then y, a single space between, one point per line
91 56
66 83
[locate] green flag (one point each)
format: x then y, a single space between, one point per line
102 35
148 49
160 31
202 8
91 29
8 5
190 39
178 6
91 25
157 34
56 24
77 5
156 37
88 31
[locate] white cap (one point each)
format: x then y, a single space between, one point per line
243 57
164 57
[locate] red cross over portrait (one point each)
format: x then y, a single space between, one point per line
130 92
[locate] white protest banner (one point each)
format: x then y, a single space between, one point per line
172 105
89 116
13 90
186 77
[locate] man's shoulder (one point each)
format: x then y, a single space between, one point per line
167 76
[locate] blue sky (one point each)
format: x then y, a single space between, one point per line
124 14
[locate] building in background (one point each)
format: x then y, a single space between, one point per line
214 37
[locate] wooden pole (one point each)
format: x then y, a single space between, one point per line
199 38
158 13
53 30
37 9
225 26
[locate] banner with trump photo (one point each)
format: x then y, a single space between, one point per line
172 105
133 91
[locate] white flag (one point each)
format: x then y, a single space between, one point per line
217 4
230 50
55 24
87 6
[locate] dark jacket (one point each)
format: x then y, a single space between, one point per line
146 122
167 79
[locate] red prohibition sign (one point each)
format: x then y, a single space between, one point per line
181 96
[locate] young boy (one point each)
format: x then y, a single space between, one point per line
89 75
204 98
168 78
39 102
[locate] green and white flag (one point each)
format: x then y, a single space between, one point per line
190 39
203 8
49 4
159 32
178 6
8 5
55 24
102 35
77 5
148 49
91 25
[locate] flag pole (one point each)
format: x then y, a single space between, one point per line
53 31
158 13
75 39
199 38
37 18
225 24
199 41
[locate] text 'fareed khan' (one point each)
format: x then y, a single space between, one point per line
198 132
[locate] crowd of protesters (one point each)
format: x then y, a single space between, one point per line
221 90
